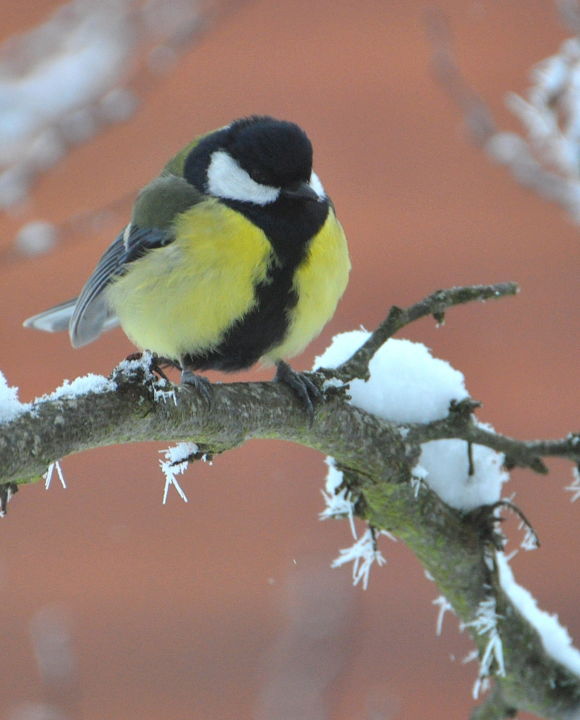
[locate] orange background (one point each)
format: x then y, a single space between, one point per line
225 607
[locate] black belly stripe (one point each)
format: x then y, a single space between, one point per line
289 225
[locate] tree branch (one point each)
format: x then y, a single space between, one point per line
435 304
377 458
461 424
131 411
494 707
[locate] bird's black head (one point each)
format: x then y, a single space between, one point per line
272 152
256 160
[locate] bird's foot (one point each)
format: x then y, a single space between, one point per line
203 386
301 385
156 363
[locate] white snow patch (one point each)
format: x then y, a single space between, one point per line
447 465
408 385
555 637
10 405
84 385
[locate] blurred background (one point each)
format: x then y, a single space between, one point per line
115 606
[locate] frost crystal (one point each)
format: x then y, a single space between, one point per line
574 486
175 463
485 623
444 606
418 479
530 540
50 472
337 503
6 494
164 395
363 553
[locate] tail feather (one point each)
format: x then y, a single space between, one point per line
56 319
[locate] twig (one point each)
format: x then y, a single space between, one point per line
476 114
460 424
569 12
537 161
435 304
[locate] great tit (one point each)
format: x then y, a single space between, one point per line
233 254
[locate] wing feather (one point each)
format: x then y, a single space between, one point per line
155 209
92 314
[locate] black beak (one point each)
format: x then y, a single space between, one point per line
300 191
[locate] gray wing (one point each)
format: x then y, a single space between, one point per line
89 315
92 315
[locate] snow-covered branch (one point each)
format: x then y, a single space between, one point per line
408 458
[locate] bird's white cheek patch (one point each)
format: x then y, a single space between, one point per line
226 179
316 185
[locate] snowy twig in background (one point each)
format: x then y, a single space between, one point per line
569 11
477 115
545 158
65 80
84 68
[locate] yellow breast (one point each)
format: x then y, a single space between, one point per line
319 282
181 298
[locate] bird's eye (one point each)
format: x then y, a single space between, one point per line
259 176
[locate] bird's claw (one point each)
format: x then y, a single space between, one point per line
301 385
203 386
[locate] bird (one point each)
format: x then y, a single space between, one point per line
233 255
